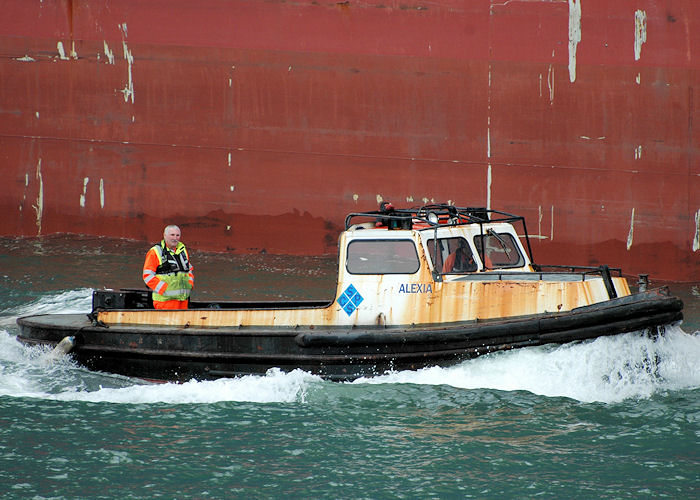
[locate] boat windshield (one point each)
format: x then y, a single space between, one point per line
500 249
382 257
453 255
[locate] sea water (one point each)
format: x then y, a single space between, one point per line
615 417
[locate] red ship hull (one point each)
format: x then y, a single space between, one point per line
233 117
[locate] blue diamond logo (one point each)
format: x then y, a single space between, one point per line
350 299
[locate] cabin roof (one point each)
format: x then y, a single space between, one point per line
391 223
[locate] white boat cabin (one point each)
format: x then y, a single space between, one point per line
447 264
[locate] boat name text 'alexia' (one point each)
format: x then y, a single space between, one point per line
416 288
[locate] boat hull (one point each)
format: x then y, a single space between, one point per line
180 354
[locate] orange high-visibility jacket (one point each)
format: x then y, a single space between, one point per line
151 264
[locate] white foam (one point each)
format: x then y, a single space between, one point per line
68 302
607 369
34 373
275 386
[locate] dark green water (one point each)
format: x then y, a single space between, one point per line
613 418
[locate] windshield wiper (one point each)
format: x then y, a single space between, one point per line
493 233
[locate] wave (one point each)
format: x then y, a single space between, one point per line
606 369
33 372
68 302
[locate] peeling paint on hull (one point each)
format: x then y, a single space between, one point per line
312 110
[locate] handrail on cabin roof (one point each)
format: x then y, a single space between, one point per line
434 215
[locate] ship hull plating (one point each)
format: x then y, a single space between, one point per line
229 117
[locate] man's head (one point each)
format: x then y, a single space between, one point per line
171 235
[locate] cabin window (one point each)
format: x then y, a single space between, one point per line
382 257
453 255
500 248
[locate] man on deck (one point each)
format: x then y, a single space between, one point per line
168 272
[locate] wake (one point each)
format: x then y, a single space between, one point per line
606 369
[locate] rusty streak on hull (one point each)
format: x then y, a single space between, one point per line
445 305
233 117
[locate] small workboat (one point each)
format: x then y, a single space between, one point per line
433 285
